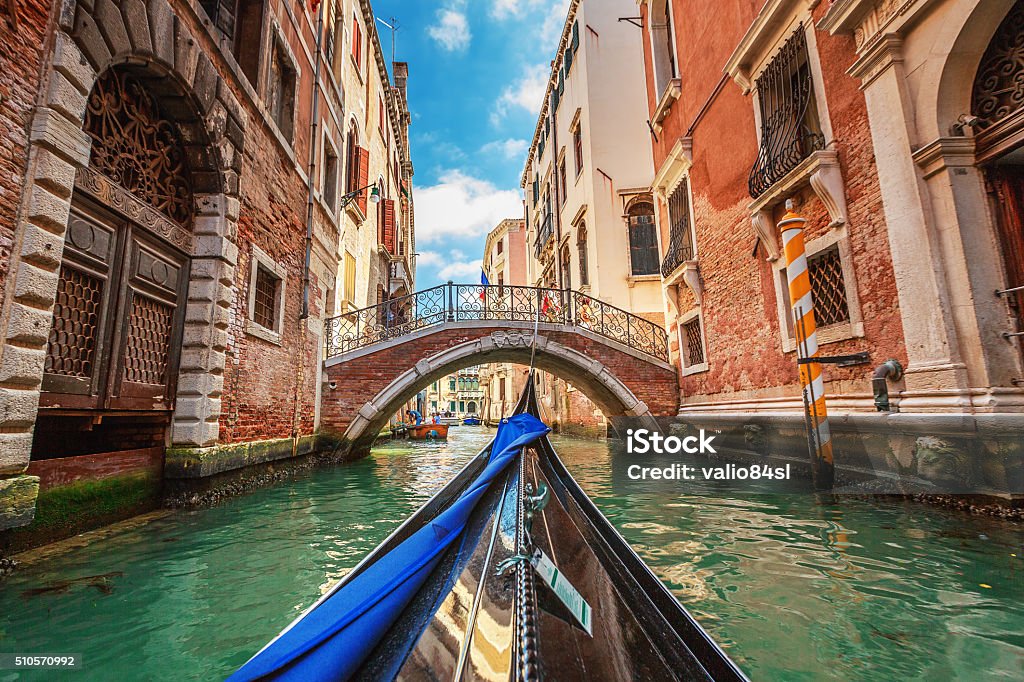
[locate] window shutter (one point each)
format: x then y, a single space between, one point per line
569 55
389 225
561 81
575 36
363 178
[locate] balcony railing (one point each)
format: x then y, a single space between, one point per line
498 303
680 250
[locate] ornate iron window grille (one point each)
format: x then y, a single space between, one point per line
999 83
694 345
828 287
680 243
507 303
790 130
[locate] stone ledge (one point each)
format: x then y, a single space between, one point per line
207 461
18 501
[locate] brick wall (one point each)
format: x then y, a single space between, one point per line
20 72
743 339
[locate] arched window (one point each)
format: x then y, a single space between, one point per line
581 250
643 239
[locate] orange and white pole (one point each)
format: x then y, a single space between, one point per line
811 381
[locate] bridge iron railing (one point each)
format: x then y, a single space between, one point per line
451 302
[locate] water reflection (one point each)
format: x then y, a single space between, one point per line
794 589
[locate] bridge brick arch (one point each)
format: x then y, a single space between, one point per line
366 387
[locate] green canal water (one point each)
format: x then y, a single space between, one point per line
794 590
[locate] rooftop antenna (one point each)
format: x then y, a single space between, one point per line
394 26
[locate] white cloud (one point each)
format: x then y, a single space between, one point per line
527 92
451 29
552 12
510 149
429 259
554 21
462 271
462 207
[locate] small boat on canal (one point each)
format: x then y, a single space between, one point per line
472 420
427 432
508 573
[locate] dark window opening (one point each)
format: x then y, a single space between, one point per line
643 240
281 96
264 309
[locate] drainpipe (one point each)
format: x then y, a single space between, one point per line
890 369
313 150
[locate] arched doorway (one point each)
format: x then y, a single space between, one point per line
114 344
997 103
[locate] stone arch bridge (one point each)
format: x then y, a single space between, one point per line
380 357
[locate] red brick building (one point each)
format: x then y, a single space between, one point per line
164 292
752 106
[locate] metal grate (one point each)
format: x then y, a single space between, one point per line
789 121
694 344
264 311
999 83
136 147
149 341
828 288
75 327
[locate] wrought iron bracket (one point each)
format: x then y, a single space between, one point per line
839 360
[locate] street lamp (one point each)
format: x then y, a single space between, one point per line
374 195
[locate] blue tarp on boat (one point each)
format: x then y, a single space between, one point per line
331 641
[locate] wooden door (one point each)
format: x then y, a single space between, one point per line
116 329
1007 187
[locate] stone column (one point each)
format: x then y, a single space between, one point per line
935 359
970 250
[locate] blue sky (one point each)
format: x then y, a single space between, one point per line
477 72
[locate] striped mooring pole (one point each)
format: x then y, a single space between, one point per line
811 381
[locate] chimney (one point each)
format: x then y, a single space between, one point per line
401 73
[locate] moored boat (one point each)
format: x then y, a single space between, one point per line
472 420
508 572
427 432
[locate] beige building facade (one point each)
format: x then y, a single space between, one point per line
589 212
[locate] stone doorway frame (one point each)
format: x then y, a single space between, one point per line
91 37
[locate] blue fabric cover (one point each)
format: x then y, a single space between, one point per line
332 640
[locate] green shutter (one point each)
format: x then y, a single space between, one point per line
561 82
569 55
575 36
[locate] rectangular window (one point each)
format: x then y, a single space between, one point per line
828 287
265 305
501 246
329 186
501 389
561 179
281 97
248 37
691 346
380 114
451 384
577 148
350 279
680 248
790 130
357 43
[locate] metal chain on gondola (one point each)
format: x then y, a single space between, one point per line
526 594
